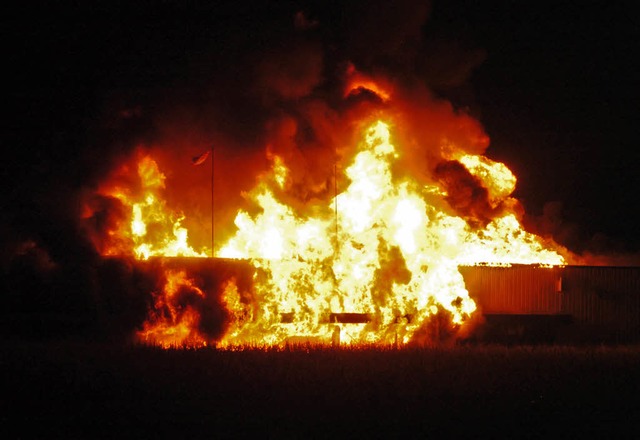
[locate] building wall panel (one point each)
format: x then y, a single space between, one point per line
604 299
603 302
514 290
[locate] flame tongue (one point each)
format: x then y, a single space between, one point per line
380 247
385 248
172 325
153 229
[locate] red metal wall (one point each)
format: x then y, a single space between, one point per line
514 290
603 302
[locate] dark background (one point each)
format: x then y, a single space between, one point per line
554 85
500 392
557 95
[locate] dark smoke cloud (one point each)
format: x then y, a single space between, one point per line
589 248
106 82
91 85
465 193
290 72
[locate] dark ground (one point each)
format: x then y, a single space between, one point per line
70 390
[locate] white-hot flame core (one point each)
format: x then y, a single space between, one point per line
388 251
150 212
495 176
384 246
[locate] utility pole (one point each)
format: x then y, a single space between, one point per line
335 196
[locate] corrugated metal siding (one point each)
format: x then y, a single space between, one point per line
514 290
604 300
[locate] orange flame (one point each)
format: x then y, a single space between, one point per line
150 228
358 82
172 325
387 251
384 247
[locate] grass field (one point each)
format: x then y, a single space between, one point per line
65 390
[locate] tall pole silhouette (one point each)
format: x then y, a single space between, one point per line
335 195
197 161
212 206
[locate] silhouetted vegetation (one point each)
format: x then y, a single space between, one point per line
88 391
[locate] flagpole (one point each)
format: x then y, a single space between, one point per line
212 228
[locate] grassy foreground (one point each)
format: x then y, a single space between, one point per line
68 390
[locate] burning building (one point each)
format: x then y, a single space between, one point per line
371 240
337 198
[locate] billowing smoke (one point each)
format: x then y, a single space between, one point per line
247 81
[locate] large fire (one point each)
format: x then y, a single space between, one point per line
385 246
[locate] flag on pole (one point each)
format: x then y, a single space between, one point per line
199 160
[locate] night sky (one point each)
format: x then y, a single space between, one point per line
557 94
554 86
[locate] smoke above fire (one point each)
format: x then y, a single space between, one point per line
288 101
361 193
300 94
